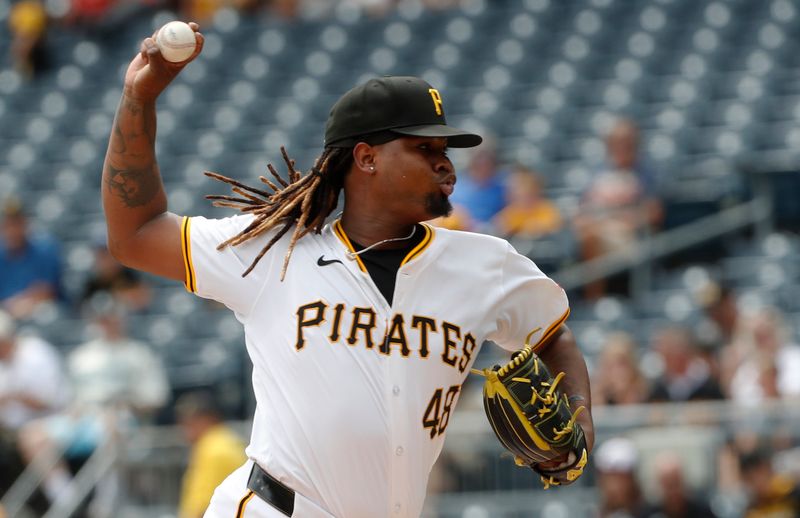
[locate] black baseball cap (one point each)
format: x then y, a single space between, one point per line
394 105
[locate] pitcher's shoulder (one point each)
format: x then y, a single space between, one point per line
472 239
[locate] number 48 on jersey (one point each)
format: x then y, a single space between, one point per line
437 415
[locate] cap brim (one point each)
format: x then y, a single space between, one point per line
455 137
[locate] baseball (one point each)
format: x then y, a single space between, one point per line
176 41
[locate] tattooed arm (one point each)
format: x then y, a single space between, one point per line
141 233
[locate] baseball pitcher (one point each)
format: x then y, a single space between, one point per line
363 327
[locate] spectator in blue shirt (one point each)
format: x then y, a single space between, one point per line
620 204
30 266
481 192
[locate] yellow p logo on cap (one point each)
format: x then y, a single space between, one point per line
437 100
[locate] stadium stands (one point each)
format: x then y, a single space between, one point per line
543 76
714 86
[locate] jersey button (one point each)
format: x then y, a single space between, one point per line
397 508
399 451
396 390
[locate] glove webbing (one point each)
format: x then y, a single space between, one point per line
495 387
573 472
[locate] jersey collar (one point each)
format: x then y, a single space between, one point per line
413 254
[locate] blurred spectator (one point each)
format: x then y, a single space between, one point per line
527 212
616 461
203 11
27 23
721 330
729 478
618 379
200 11
717 328
89 14
110 276
769 363
685 376
623 153
720 307
117 382
216 451
114 369
675 499
285 8
30 266
32 384
620 202
102 19
459 219
481 190
771 495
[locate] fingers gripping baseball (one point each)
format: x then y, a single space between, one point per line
149 73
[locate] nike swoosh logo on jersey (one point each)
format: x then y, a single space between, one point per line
325 262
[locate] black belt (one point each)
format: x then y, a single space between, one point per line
270 490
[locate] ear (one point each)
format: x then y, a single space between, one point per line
364 158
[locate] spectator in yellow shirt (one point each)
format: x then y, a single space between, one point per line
216 452
459 219
27 22
527 212
772 494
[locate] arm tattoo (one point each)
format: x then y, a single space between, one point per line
135 187
133 174
117 139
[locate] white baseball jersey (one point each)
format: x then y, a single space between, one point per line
354 395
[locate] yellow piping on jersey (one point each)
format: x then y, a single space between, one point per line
550 331
416 251
339 231
186 248
243 503
421 246
528 338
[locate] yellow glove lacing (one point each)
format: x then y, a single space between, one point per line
572 474
548 400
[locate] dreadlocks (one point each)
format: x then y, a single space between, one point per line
303 202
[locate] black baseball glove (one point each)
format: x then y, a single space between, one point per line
533 420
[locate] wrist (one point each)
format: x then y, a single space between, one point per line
587 425
584 418
576 401
137 98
